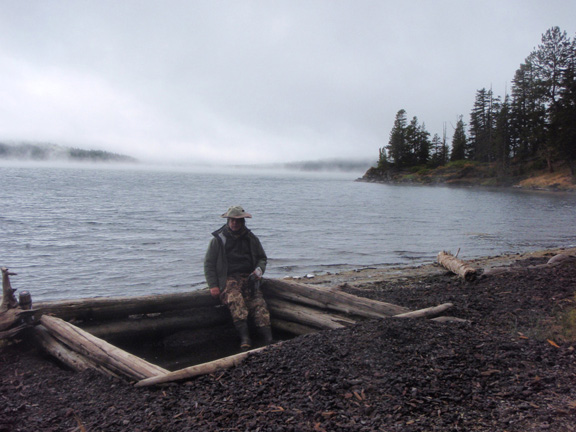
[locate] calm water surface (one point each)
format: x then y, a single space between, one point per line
74 231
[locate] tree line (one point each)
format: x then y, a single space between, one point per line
535 123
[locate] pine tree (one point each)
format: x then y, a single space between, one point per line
397 145
502 137
422 153
563 117
436 151
552 62
459 141
527 113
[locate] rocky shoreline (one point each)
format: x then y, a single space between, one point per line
509 367
474 175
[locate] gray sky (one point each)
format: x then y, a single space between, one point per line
254 81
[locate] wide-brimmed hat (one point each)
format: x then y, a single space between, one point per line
236 212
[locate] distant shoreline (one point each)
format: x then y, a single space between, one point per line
42 152
474 175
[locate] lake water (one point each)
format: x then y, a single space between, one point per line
73 232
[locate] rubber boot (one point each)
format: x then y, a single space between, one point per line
266 333
245 342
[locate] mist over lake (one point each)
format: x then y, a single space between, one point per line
71 231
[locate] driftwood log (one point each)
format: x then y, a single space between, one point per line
457 266
329 299
198 370
158 325
98 309
13 317
99 352
430 312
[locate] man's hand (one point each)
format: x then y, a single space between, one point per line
257 273
215 291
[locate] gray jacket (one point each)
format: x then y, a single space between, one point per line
216 264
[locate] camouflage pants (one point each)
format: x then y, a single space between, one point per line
244 301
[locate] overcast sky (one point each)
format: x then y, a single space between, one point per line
254 81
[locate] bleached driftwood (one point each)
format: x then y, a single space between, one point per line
197 370
330 299
99 351
449 319
13 319
99 309
306 315
65 355
457 266
427 312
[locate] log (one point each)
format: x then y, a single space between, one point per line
329 298
449 319
305 315
13 319
10 333
65 355
426 312
117 307
292 327
8 299
160 325
457 266
99 351
197 370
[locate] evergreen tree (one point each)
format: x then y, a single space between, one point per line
527 113
563 116
436 151
422 151
552 62
502 137
412 142
481 127
397 145
459 141
418 143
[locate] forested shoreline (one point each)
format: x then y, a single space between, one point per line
53 152
508 138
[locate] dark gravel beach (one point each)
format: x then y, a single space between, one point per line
510 367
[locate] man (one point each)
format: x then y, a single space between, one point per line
234 264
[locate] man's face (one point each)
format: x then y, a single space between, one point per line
235 224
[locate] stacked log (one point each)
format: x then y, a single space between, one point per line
294 307
80 350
